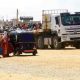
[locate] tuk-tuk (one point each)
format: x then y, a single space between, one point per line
23 41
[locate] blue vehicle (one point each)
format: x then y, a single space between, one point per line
23 41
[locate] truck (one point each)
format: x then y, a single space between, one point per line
60 28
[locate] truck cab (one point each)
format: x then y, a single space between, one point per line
67 28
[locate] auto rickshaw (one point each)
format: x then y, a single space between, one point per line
23 41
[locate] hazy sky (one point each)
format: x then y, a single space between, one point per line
34 7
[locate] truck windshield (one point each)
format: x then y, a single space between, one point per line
70 19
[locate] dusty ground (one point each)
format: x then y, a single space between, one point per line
47 65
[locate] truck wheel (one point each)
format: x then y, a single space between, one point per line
77 46
56 43
40 42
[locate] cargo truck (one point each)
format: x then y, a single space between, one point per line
60 28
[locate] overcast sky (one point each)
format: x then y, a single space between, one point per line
34 7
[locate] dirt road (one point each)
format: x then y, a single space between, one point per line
47 65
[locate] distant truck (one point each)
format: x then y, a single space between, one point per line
59 29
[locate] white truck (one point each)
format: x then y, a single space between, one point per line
59 29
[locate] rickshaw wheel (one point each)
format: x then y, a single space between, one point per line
19 52
34 54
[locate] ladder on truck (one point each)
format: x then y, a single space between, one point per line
56 11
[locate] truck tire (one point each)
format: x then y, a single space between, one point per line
77 46
56 43
40 42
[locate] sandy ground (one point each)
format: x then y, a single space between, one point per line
47 65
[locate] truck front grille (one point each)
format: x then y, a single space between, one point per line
73 31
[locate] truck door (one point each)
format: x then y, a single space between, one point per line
57 26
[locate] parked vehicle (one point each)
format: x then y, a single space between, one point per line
23 41
60 28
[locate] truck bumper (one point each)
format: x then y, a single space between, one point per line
73 42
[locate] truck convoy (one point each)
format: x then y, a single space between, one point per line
59 29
